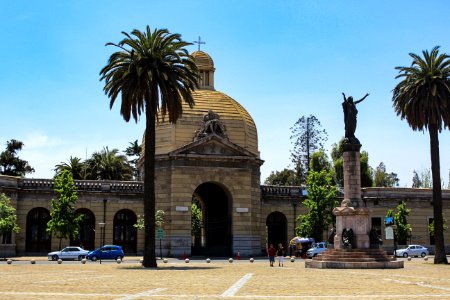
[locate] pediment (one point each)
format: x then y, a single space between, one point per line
212 145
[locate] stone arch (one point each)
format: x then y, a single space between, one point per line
86 234
276 223
125 234
37 238
215 201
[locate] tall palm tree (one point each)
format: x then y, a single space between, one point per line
153 72
423 99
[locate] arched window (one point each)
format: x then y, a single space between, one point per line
124 231
37 238
86 231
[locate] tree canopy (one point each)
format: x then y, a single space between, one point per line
10 163
8 218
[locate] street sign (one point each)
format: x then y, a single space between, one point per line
160 233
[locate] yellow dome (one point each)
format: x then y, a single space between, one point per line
240 127
203 60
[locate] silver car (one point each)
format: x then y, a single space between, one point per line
412 250
68 253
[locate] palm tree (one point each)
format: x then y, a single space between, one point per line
153 72
134 150
109 165
423 99
75 165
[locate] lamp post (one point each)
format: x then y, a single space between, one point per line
102 237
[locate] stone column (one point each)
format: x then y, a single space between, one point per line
351 214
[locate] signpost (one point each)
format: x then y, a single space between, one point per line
160 235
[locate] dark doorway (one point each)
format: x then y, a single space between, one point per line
86 234
37 238
276 229
216 237
124 231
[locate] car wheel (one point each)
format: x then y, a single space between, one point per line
55 257
119 257
94 258
80 257
423 254
405 254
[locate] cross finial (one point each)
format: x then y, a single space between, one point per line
199 42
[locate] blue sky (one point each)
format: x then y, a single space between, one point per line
280 59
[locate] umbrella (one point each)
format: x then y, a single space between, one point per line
298 239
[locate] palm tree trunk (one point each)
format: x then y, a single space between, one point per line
439 256
149 190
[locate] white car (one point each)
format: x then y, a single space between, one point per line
412 250
68 253
316 249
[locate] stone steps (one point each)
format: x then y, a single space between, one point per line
354 259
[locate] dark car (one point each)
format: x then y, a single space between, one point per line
106 252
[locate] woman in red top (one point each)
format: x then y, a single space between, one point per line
271 252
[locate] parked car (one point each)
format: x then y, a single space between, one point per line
106 252
412 250
316 249
68 253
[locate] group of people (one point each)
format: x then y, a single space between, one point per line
280 252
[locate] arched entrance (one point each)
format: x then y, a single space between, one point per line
86 234
37 238
214 204
124 231
276 223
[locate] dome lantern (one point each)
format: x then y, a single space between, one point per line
206 69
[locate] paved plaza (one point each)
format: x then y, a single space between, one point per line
218 280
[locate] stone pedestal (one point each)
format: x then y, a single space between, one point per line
358 220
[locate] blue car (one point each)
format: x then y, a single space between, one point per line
106 252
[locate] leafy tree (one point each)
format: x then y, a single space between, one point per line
338 166
153 72
307 137
196 220
384 179
134 152
319 161
431 226
286 177
422 97
64 220
423 180
10 163
320 202
159 220
108 165
404 229
75 165
8 218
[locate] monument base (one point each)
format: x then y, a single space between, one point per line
356 219
354 259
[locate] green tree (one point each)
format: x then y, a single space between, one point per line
108 165
153 72
384 179
159 220
134 152
10 163
75 165
422 97
431 226
196 220
64 220
307 137
8 218
423 180
320 202
319 161
285 177
338 166
404 229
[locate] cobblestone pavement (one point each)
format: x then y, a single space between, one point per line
218 279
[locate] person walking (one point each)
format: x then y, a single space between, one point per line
281 253
271 252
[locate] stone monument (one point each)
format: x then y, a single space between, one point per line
352 234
